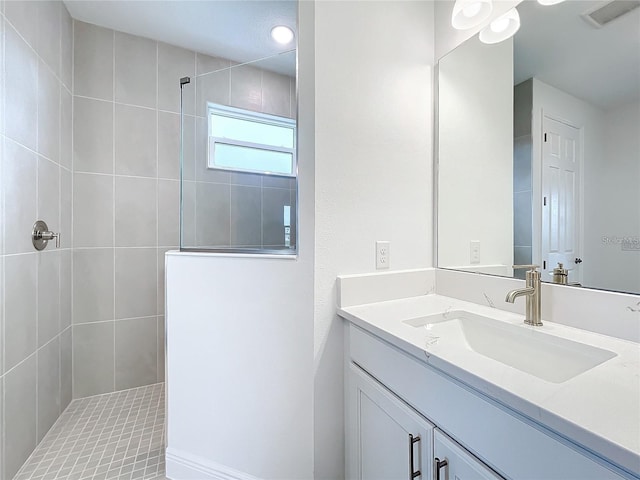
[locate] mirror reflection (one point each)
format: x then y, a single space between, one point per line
539 153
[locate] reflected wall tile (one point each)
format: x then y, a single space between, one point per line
169 145
92 135
136 70
48 295
93 359
92 210
246 87
136 282
276 97
245 216
20 296
214 88
208 64
136 212
136 352
48 35
522 158
92 285
213 213
278 182
48 387
20 204
273 202
93 61
249 179
168 212
49 195
522 219
48 114
135 141
188 216
173 64
21 89
23 16
20 407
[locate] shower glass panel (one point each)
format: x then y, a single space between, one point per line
238 156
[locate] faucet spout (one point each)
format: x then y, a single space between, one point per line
519 292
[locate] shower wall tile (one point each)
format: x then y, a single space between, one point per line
212 203
35 182
48 386
92 210
136 70
136 212
48 296
161 349
20 204
20 413
92 135
246 87
48 113
169 145
93 279
212 87
173 64
273 203
135 141
48 34
21 89
93 359
93 72
136 357
208 64
246 206
20 296
136 282
276 97
168 212
66 369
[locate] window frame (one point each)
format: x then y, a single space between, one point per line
256 117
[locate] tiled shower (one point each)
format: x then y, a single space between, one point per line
90 143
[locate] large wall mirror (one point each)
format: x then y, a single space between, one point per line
539 147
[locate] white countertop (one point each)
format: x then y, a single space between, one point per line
598 409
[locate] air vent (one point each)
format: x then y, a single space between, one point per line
610 11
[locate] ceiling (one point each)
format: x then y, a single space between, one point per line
239 30
557 46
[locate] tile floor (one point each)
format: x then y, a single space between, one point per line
113 436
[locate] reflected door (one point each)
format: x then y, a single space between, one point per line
561 162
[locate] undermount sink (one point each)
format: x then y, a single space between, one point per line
529 350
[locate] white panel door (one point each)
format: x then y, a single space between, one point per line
454 463
561 163
386 439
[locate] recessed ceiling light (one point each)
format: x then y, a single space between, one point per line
282 34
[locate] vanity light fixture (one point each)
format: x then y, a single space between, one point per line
282 34
470 13
549 2
503 27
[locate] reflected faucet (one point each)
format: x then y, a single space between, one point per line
532 292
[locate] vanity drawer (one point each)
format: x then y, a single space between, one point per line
511 444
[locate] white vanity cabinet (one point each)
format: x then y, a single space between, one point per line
393 394
387 440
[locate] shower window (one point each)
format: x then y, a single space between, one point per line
245 141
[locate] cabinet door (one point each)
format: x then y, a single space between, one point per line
386 439
456 463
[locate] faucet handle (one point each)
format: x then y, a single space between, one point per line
531 268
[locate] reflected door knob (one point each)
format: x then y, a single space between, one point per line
578 260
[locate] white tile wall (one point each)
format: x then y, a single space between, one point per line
36 183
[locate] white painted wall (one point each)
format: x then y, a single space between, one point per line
614 202
475 160
560 105
373 98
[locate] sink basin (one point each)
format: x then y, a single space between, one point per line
532 351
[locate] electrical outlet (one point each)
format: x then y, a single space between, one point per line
475 252
382 254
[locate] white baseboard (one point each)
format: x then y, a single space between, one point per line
185 466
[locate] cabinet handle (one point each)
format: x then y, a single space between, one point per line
412 473
439 465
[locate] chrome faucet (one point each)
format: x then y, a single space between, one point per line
532 292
